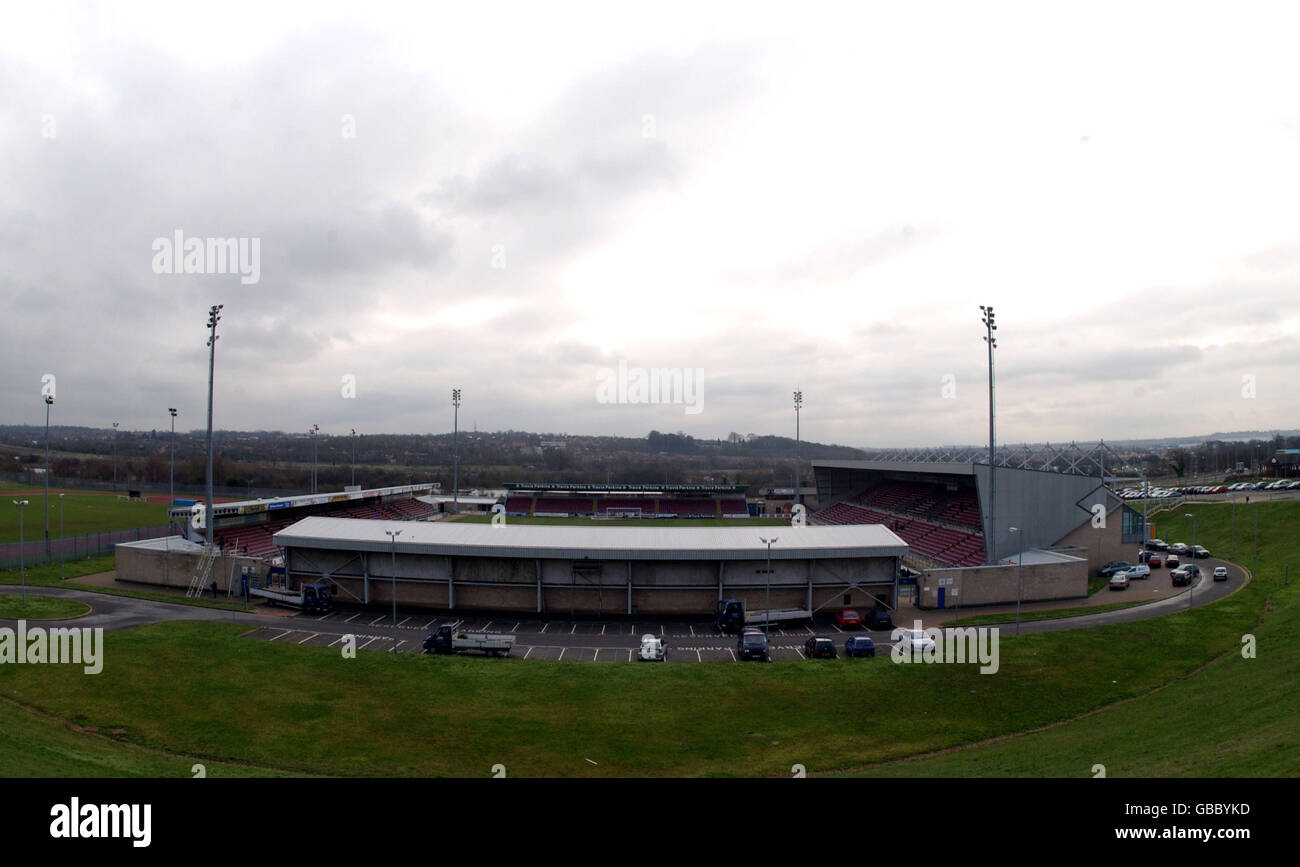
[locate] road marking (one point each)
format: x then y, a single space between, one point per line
733 654
799 650
574 629
376 620
692 629
404 619
309 637
546 624
561 656
698 658
513 628
430 623
629 655
282 634
837 629
528 651
602 629
323 616
368 641
353 617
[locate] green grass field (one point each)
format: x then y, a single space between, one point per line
82 513
12 607
1170 695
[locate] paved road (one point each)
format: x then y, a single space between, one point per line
560 639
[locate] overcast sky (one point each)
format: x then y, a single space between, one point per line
509 198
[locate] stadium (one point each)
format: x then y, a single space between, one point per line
972 538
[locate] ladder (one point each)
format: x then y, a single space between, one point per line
202 574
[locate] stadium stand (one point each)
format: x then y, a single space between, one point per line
938 524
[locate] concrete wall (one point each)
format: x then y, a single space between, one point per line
1044 505
177 568
1100 546
995 585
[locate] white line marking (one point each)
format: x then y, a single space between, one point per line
692 629
733 654
404 619
376 620
368 640
513 628
309 638
430 623
629 654
282 634
574 629
799 650
335 641
602 629
698 658
837 629
323 616
561 656
546 624
353 617
528 651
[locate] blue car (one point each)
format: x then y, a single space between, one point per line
860 645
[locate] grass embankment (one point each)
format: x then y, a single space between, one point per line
47 575
200 690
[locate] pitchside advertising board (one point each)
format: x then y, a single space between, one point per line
327 819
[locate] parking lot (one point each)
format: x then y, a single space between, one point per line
577 640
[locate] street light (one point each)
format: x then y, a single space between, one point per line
990 327
393 534
455 454
1191 584
1020 573
767 614
22 563
63 554
115 424
354 457
798 404
214 316
49 402
172 476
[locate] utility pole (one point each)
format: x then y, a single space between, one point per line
214 316
172 476
767 613
990 552
115 424
354 457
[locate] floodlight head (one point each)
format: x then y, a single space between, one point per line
49 399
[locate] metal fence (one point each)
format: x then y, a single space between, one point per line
73 547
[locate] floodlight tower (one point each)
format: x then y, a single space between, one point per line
214 316
798 404
49 402
172 475
991 542
115 424
455 454
312 431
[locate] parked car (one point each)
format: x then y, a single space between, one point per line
847 618
819 648
1178 548
859 645
1144 556
1157 544
880 619
915 641
1119 581
752 644
1112 567
1200 552
1172 562
1180 578
1220 573
1138 570
1155 561
652 649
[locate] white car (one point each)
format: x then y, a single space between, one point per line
1119 581
1178 548
1220 573
1139 570
652 649
914 641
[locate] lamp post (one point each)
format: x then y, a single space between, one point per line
312 433
393 534
1191 584
767 614
991 547
22 563
354 457
49 402
62 554
455 454
214 316
1020 572
172 475
115 424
